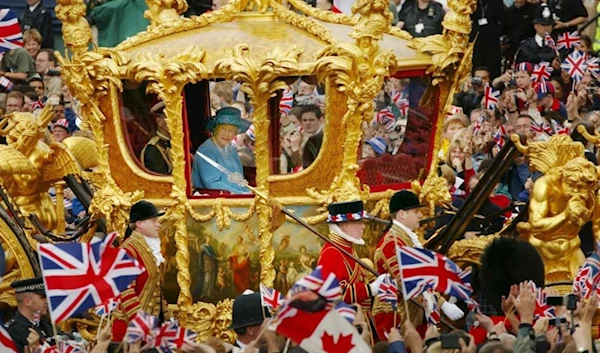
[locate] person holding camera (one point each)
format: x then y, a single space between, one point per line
421 18
472 90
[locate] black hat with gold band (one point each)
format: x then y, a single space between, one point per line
35 285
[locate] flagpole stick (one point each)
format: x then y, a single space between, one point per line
287 345
100 324
55 333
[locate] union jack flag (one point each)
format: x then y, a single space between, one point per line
182 336
593 66
270 297
432 310
549 41
403 106
473 305
422 269
140 328
286 102
583 283
108 307
79 276
568 40
329 288
70 347
347 311
541 72
37 317
386 118
499 137
10 31
160 338
542 309
388 291
559 129
396 96
50 349
575 65
490 97
6 342
455 110
478 125
588 276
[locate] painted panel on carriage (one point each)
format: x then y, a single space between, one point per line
224 263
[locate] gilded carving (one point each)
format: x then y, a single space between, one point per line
302 22
467 252
165 12
358 71
561 202
434 193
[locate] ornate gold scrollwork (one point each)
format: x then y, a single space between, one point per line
167 78
260 81
165 12
89 75
358 71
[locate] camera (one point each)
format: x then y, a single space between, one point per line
557 321
451 341
476 81
53 72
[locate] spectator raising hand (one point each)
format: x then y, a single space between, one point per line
583 330
525 303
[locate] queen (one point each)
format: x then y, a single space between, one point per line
226 124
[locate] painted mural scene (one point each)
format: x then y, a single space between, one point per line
329 176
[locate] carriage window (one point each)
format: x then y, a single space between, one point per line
145 129
220 138
396 143
301 110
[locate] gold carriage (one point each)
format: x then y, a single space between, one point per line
263 46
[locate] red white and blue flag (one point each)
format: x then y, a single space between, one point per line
388 291
328 287
568 40
322 331
108 307
588 277
10 31
478 125
70 346
473 305
490 97
270 298
575 65
386 118
542 309
593 66
6 342
422 269
499 137
550 41
559 129
141 328
347 311
286 102
432 310
79 276
541 72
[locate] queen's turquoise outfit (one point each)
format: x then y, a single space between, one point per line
206 176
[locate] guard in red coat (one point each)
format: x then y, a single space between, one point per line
346 229
405 210
142 242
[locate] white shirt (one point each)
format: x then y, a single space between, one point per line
33 7
154 245
241 348
338 231
539 40
412 235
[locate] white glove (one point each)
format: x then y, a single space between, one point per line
377 283
452 311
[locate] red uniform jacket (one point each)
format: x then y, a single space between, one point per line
352 277
145 293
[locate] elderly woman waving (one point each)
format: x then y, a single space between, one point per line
226 124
